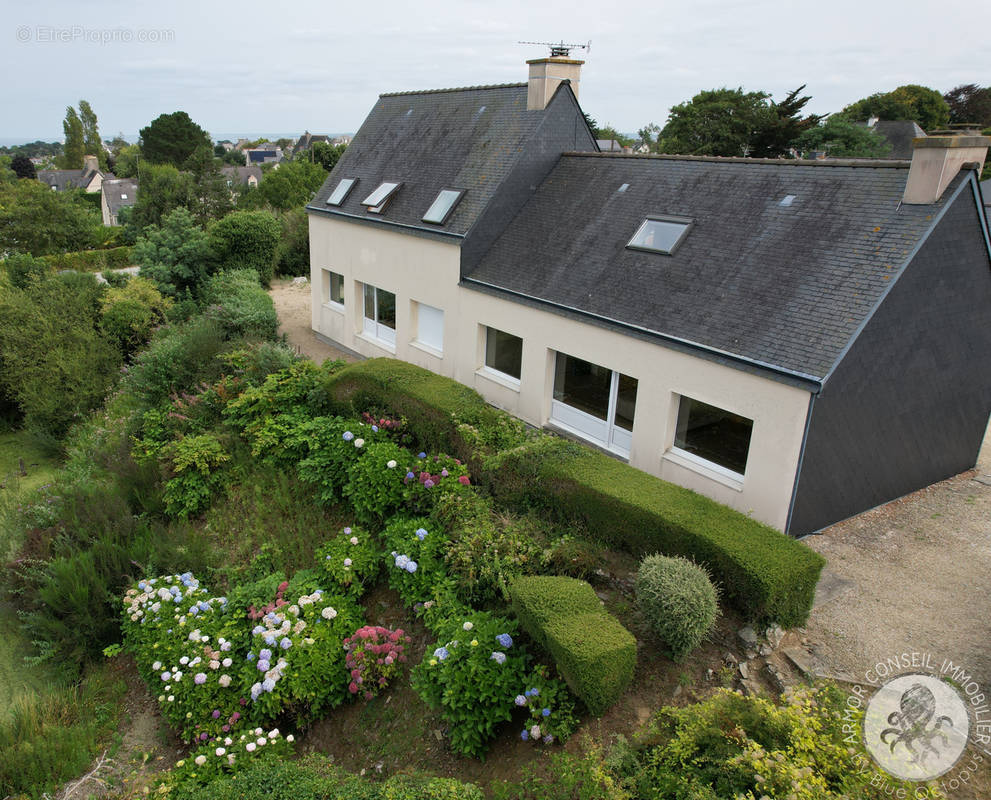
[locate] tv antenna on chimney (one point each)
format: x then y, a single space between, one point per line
562 50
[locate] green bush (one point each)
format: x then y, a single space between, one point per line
376 485
414 557
767 575
92 260
240 306
593 652
22 268
333 449
427 787
196 463
566 776
679 601
131 312
246 240
313 778
350 561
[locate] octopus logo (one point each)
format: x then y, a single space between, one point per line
916 727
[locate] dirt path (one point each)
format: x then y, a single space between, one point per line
292 303
910 576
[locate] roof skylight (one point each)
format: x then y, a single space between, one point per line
787 200
443 205
340 193
378 199
623 188
660 234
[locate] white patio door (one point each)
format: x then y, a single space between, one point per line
594 402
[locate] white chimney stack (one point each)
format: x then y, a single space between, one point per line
546 75
936 160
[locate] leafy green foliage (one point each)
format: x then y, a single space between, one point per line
840 138
240 306
350 561
292 256
679 601
195 463
22 268
332 453
550 707
131 312
471 678
23 167
107 258
163 190
75 148
414 558
326 154
175 255
36 220
92 143
918 103
57 366
716 122
292 185
247 240
971 104
172 139
377 480
375 655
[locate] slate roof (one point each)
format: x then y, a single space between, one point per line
114 191
63 179
898 133
241 174
465 138
785 287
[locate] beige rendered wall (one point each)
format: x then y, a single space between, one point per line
422 270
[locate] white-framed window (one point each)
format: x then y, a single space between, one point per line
714 437
503 353
596 402
430 326
379 321
333 288
660 234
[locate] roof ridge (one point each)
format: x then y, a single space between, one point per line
454 89
791 162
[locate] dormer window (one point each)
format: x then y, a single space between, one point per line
442 207
340 193
660 234
379 199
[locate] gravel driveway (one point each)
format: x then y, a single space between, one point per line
918 570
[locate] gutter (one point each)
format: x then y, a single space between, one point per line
809 382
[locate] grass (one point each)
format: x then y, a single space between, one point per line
38 463
17 680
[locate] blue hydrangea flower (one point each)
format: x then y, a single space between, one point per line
520 700
268 685
375 428
421 533
347 436
286 643
534 692
411 566
548 739
266 654
421 455
410 475
525 736
546 712
505 640
263 665
270 640
499 658
258 630
441 653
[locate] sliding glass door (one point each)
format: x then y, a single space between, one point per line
595 402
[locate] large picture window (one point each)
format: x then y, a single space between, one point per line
380 315
594 401
504 353
714 435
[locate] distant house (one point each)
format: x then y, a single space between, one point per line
609 146
798 340
308 139
264 153
339 140
227 144
898 133
117 193
90 178
242 176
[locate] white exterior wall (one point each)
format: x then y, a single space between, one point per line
423 270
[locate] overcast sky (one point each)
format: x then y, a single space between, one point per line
250 67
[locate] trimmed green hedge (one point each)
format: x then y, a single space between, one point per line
767 575
595 654
443 414
92 260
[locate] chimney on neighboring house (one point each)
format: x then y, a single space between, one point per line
936 160
546 75
90 164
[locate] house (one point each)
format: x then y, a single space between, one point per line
307 139
794 339
263 153
610 146
117 193
242 176
90 178
898 133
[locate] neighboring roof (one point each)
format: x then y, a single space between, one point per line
308 139
114 192
449 138
609 145
986 191
241 174
782 286
63 179
898 133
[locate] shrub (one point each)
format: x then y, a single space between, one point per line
246 240
593 652
175 256
485 553
91 260
130 313
678 600
427 787
332 451
22 268
471 678
414 558
195 464
268 778
375 655
566 776
240 306
550 706
765 574
350 561
377 480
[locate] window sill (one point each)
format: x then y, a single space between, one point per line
389 347
426 348
501 378
332 306
733 480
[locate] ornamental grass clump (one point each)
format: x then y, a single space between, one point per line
375 655
679 601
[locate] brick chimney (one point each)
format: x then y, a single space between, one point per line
936 160
546 75
90 164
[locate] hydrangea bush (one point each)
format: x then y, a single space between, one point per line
350 561
225 755
471 677
375 655
551 708
335 445
414 558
